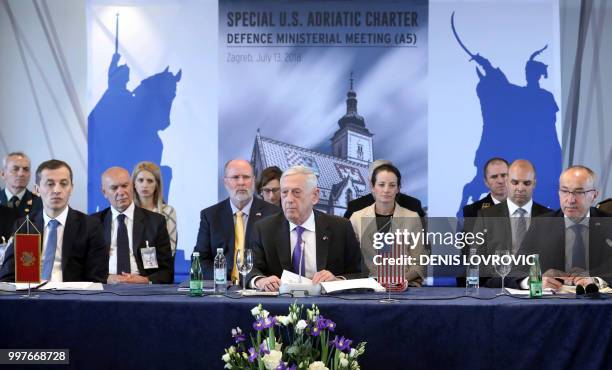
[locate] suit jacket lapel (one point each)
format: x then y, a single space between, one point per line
226 223
283 244
254 216
137 235
323 240
70 232
108 229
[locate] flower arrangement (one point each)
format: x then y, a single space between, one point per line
292 343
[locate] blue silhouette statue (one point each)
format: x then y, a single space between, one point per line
518 122
123 126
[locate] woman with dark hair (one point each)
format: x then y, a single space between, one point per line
268 185
148 194
386 216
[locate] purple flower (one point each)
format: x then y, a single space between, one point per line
282 366
321 322
262 349
238 335
269 322
315 331
341 344
330 325
259 325
252 354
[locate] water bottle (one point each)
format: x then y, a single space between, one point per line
472 278
195 276
220 272
535 278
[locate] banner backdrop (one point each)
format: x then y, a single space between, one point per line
152 96
326 85
495 92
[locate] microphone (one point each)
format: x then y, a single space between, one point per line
591 291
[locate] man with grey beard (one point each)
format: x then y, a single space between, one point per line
228 224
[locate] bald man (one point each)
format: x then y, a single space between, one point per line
575 242
137 240
507 223
228 224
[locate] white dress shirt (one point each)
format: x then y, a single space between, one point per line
129 223
56 273
512 209
9 195
245 215
309 239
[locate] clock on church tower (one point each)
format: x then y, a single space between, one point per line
352 141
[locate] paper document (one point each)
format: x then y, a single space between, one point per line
72 285
526 292
289 277
342 285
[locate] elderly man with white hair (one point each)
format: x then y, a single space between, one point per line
313 244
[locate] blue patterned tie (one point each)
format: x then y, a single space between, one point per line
49 257
123 246
578 251
298 254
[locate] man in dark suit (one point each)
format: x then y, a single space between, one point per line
310 243
229 223
507 223
575 242
15 173
136 239
495 172
605 205
7 222
403 200
73 245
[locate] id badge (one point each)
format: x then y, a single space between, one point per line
149 257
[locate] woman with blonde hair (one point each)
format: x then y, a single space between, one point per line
147 180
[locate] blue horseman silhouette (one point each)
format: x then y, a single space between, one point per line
518 122
124 126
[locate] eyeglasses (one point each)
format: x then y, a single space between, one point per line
270 190
237 178
575 193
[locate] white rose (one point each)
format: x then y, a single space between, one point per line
227 366
272 359
344 362
225 357
353 353
317 365
256 311
283 320
264 313
300 326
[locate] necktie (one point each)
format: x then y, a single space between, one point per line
14 202
238 243
123 246
49 257
578 252
299 260
520 229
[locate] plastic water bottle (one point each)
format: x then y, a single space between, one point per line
535 278
220 272
472 279
195 276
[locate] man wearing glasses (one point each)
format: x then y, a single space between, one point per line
228 223
575 242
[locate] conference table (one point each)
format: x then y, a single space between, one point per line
157 327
